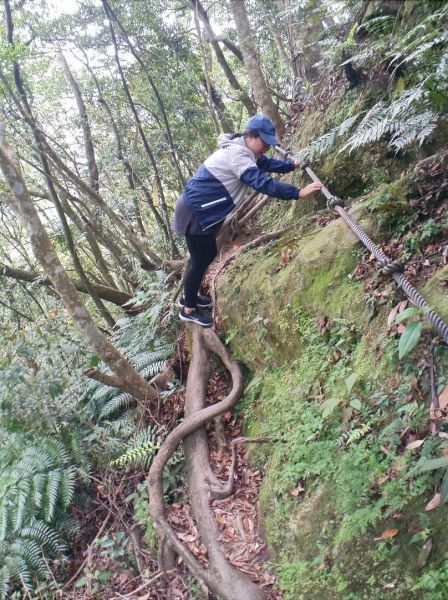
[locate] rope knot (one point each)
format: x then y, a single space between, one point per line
333 202
392 267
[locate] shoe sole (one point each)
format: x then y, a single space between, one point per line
180 305
182 318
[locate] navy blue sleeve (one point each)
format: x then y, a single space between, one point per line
275 165
263 183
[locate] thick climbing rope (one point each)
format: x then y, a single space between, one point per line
389 267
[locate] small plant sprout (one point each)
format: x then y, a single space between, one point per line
411 335
328 406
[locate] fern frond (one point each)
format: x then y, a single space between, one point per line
117 404
5 580
141 450
44 535
18 569
4 517
145 358
417 128
32 553
67 486
153 369
354 435
52 493
326 142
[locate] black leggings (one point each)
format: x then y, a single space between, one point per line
202 249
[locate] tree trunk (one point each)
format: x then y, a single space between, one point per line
154 89
47 173
196 5
252 63
45 253
221 578
88 144
215 102
98 257
273 27
152 160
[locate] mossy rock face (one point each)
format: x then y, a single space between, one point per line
265 292
335 482
367 567
435 292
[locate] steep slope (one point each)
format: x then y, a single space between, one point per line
343 507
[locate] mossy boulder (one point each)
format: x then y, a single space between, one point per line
435 292
311 272
335 480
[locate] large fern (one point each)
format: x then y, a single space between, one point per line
413 115
37 485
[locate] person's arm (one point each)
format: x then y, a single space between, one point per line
275 165
261 182
256 179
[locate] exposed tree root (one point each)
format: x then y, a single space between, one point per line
219 576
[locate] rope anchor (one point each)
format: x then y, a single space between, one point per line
333 202
391 267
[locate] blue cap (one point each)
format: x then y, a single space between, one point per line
265 128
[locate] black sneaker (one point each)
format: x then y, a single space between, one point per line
203 302
196 316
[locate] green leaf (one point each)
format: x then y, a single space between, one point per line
408 312
431 465
409 338
55 389
356 404
94 361
350 382
444 489
328 406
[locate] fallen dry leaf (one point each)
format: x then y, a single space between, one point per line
390 585
434 503
415 444
443 398
284 259
395 311
387 535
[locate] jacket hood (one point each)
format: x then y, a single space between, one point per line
224 140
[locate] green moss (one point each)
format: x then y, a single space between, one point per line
435 292
266 295
322 538
299 321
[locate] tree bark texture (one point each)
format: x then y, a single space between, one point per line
219 576
85 125
252 63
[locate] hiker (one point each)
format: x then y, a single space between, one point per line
217 187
